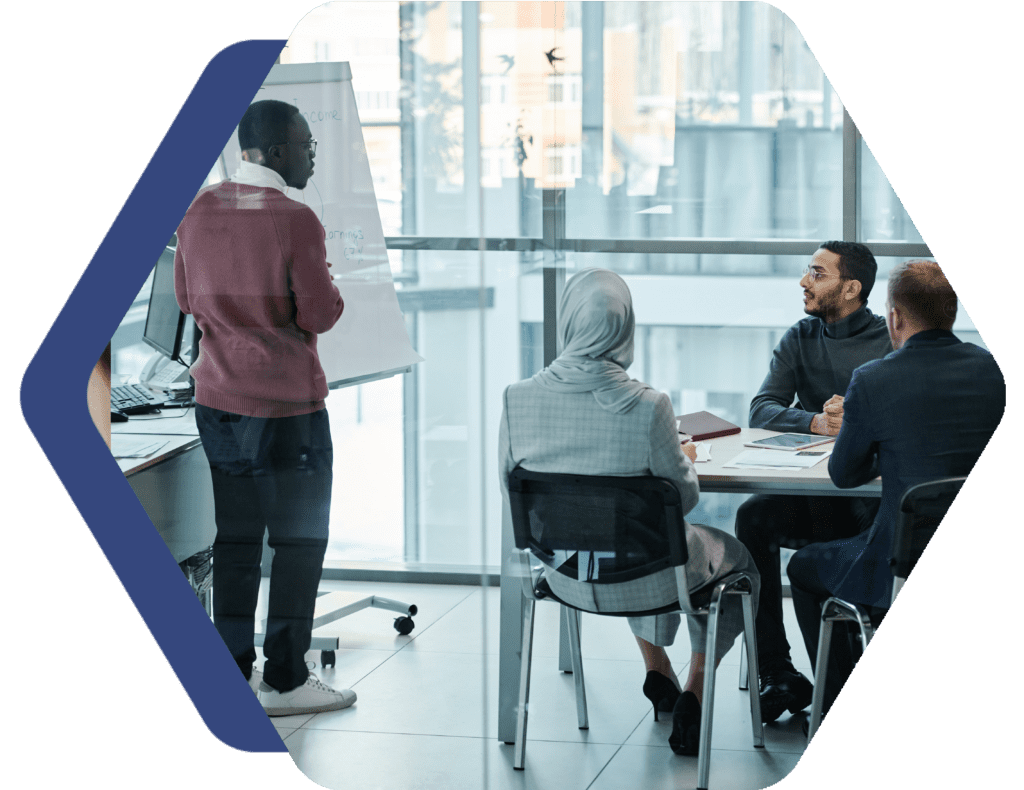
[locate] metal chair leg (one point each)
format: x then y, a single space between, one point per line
519 756
820 673
750 643
832 611
708 703
577 668
867 631
564 649
744 684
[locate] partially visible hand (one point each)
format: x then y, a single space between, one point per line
834 414
690 451
823 425
835 400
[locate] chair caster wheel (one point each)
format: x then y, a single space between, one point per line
326 658
404 625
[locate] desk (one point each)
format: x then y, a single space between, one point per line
173 484
713 479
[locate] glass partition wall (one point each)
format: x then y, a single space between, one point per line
694 147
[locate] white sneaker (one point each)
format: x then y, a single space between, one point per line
255 679
312 697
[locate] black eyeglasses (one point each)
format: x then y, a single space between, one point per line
310 144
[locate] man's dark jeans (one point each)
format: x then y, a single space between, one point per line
273 475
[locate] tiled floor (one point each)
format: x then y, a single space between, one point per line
426 713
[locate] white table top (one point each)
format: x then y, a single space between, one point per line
815 480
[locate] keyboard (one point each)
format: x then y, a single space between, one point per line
134 399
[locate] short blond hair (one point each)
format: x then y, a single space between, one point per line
921 290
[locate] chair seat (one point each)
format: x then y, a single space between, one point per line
654 594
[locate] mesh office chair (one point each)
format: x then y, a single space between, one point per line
921 510
624 528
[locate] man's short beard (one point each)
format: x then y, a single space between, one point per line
825 310
825 313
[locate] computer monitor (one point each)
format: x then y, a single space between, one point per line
165 323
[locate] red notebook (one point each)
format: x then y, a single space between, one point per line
703 425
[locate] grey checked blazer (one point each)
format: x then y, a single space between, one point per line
570 433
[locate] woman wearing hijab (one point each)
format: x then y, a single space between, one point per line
584 415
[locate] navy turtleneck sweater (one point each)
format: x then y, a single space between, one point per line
814 361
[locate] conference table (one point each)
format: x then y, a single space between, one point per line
715 477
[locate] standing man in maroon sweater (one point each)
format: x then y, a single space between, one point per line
251 267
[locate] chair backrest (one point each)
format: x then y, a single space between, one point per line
921 509
636 523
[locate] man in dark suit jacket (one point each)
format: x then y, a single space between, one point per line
925 411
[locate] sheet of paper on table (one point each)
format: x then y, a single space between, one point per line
703 452
777 459
135 446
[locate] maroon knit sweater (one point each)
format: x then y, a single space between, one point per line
251 267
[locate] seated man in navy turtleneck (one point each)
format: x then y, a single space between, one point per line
802 393
924 412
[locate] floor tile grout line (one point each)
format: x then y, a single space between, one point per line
606 764
440 617
617 745
491 737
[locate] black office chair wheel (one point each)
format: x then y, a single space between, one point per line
404 625
326 658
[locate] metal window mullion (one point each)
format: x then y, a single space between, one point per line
592 95
411 449
410 266
851 173
745 65
471 139
554 267
474 197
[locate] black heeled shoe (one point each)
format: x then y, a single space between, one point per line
685 737
661 691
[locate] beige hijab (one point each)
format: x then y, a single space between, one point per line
595 328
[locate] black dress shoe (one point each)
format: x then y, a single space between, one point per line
662 693
782 690
685 737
